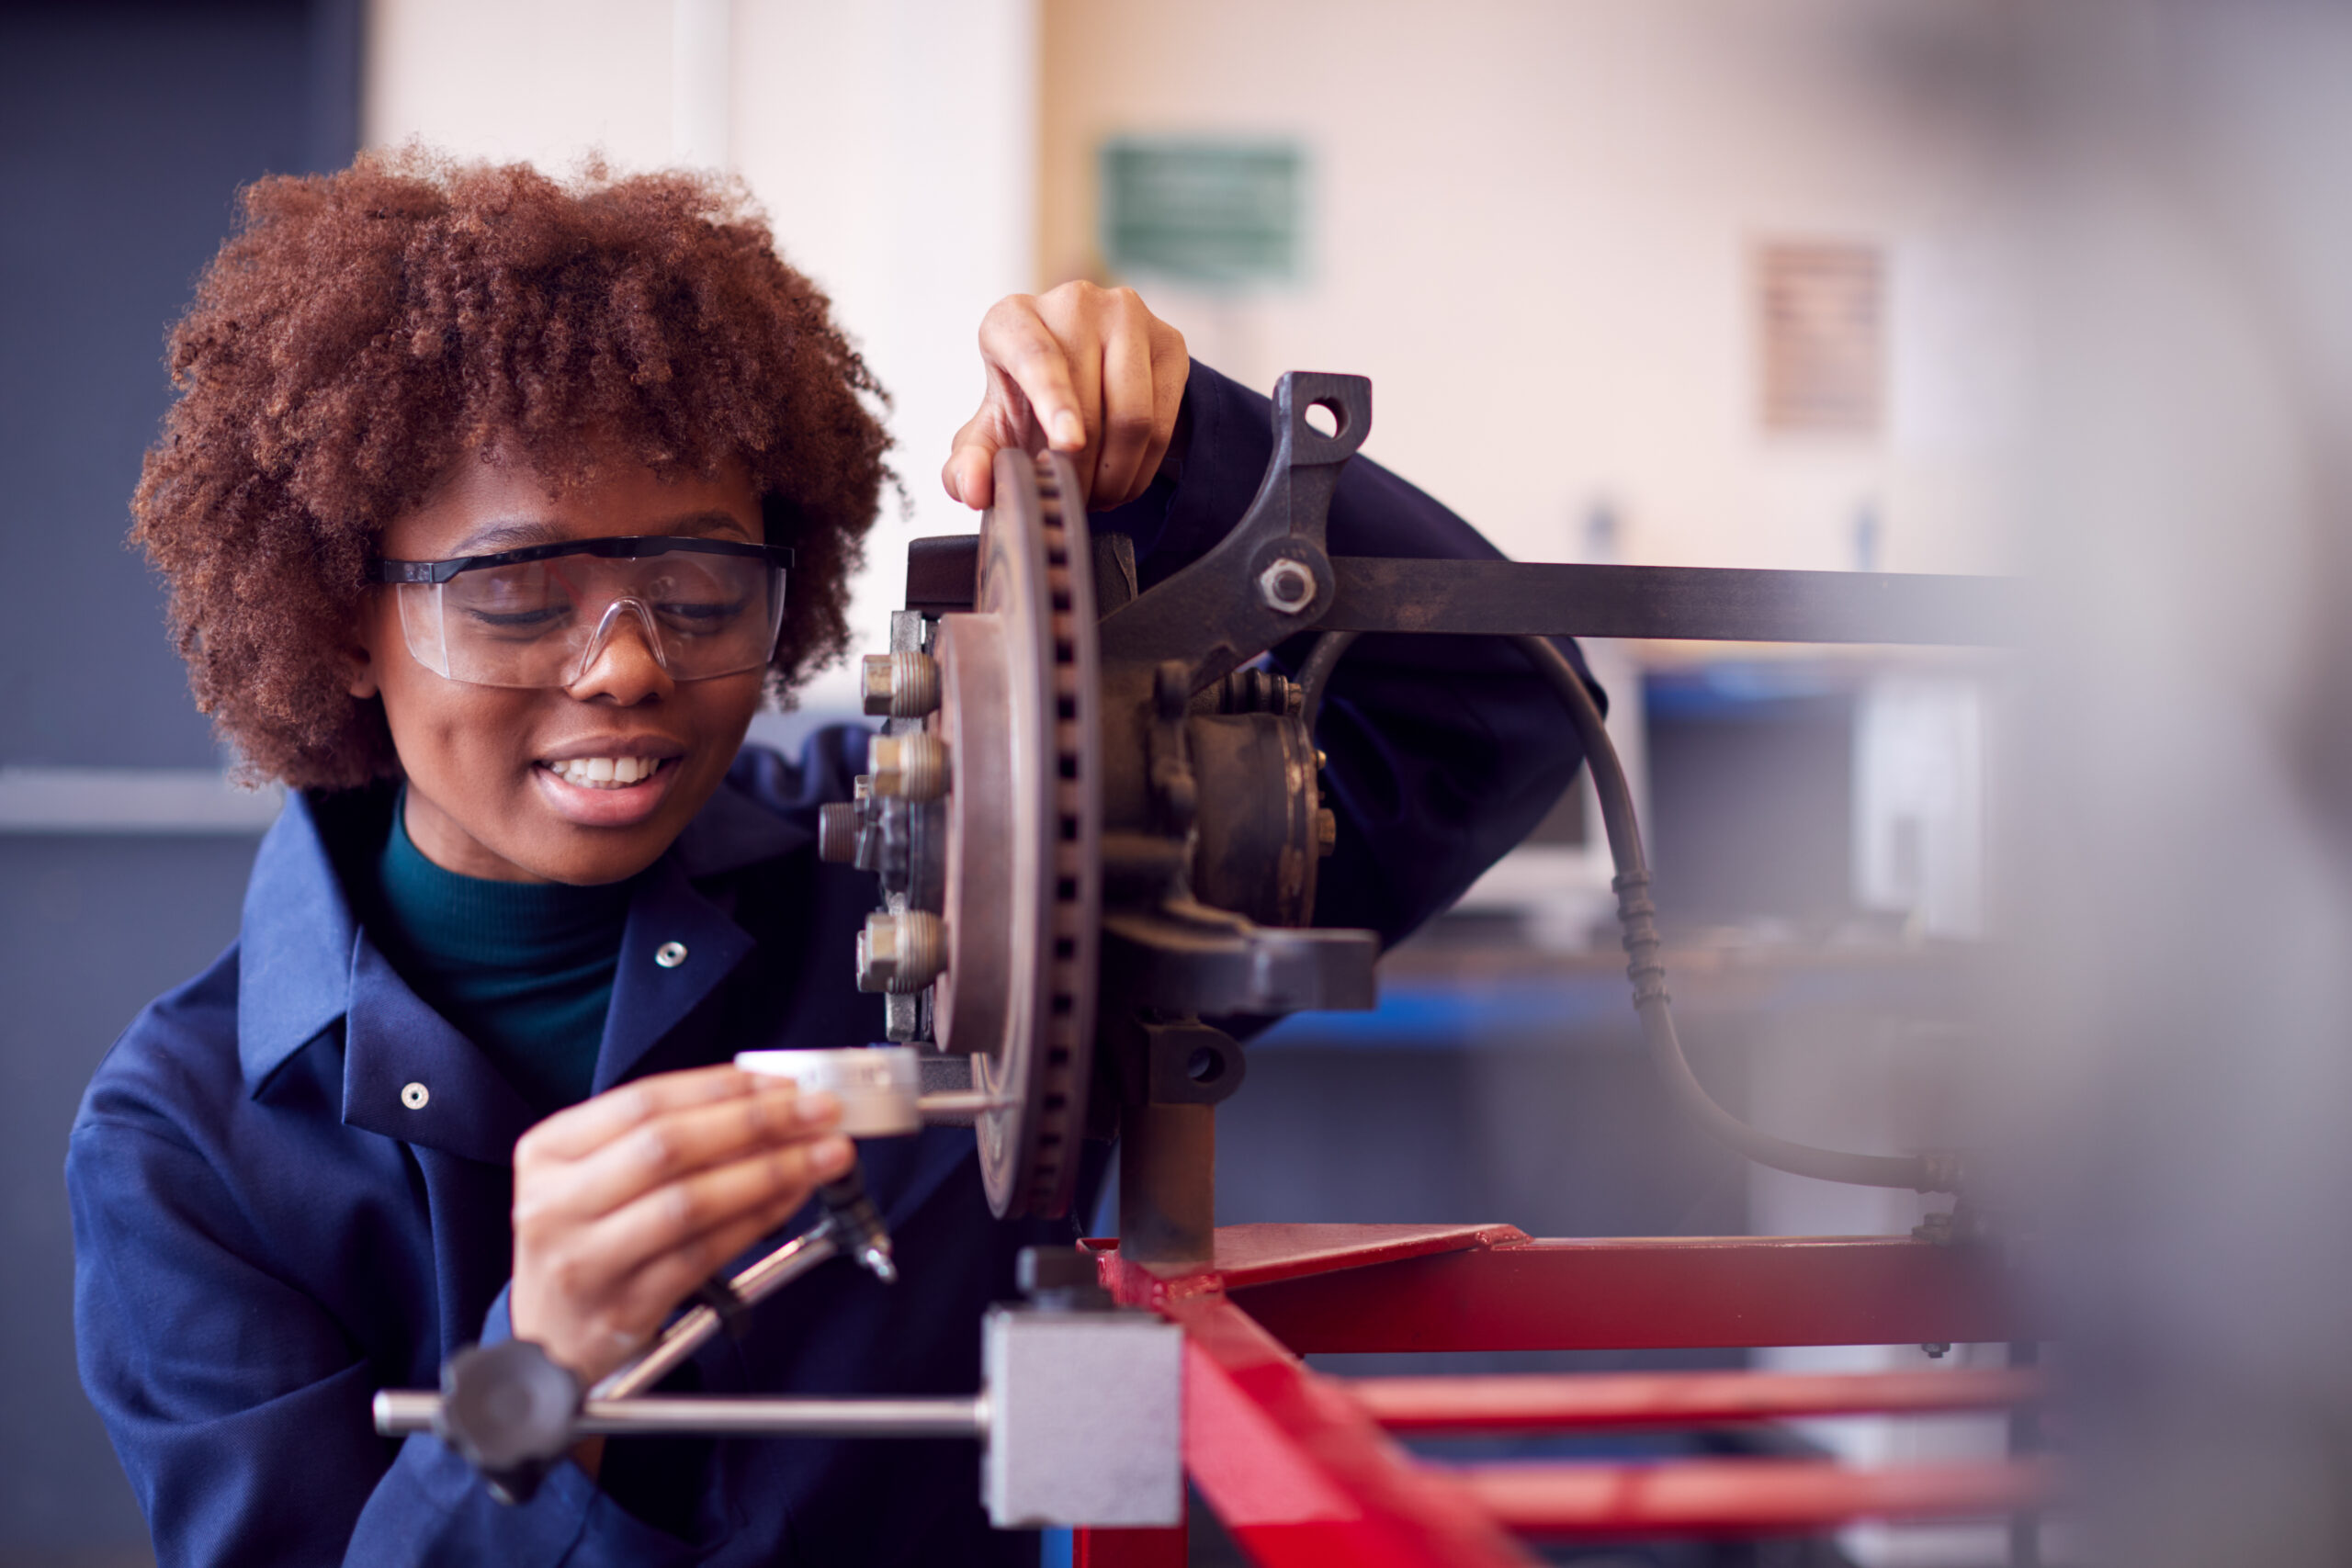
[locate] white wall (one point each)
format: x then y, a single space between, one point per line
892 141
1532 223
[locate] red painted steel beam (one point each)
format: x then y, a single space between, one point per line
1263 1254
1643 1293
1544 1403
1296 1470
1740 1496
1128 1548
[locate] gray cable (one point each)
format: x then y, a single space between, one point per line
1639 918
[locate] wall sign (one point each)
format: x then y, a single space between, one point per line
1217 213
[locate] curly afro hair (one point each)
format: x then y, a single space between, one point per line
364 330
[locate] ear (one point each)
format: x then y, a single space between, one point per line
361 666
361 671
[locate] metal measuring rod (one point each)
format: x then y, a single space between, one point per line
1080 1414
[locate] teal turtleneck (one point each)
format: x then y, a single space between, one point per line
525 969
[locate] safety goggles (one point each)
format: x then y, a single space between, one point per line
540 617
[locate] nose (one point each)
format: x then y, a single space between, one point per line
621 665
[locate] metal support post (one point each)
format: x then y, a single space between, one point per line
1168 1183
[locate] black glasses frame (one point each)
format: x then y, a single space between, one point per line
623 549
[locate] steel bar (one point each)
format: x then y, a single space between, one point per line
1546 1403
399 1412
1647 1293
957 1107
754 1417
1296 1470
1712 604
763 1278
1738 1497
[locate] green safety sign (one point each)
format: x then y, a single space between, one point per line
1202 212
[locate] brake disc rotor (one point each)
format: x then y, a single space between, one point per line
1019 712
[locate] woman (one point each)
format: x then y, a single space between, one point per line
474 510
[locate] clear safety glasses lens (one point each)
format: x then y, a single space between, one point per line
545 622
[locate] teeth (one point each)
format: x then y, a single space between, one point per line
604 772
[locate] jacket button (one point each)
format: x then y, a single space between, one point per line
669 955
415 1096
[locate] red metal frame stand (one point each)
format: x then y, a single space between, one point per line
1302 1470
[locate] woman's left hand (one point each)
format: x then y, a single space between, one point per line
1085 370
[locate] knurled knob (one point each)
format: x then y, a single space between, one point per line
912 767
904 684
837 825
901 952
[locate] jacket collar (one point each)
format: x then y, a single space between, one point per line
676 948
303 963
294 951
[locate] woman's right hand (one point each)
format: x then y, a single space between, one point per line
624 1204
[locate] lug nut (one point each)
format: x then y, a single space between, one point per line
900 954
904 684
1326 831
912 767
838 825
1287 586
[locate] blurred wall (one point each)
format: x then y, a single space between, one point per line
125 130
1531 222
891 143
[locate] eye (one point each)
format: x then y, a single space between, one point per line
518 619
519 601
699 616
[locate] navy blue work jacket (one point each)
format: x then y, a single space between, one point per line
271 1222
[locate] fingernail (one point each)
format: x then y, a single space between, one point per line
830 1156
819 1109
1069 429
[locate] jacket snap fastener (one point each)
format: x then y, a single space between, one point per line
669 955
414 1096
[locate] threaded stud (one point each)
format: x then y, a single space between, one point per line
912 767
904 684
837 830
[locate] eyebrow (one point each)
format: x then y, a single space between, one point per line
519 533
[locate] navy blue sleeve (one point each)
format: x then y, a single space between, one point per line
1445 751
240 1406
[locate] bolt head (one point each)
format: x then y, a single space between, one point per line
1286 585
874 683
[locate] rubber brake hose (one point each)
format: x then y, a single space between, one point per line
1638 915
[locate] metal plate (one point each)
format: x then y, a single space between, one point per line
1019 712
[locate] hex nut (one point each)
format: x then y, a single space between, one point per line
1326 831
1286 585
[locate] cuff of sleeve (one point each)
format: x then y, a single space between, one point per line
496 1327
1179 519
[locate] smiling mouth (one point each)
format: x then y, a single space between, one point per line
607 772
